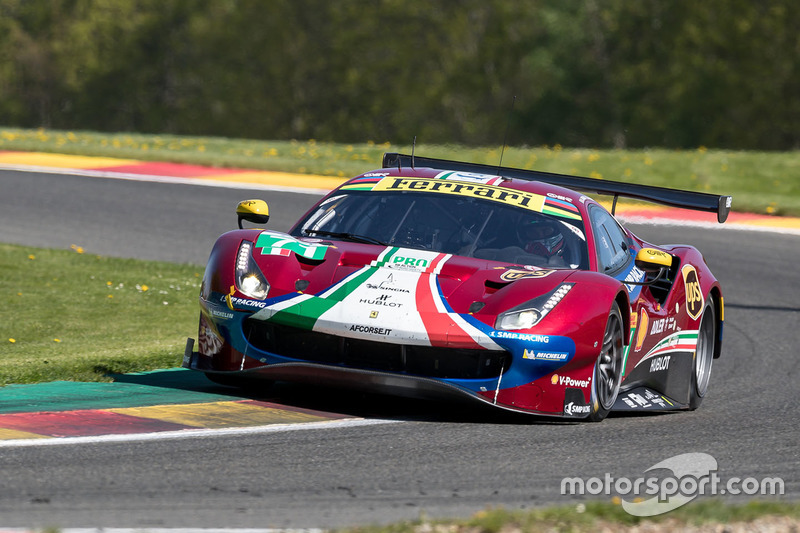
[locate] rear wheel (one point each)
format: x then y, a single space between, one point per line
607 374
703 356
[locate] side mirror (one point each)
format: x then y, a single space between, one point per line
255 211
652 260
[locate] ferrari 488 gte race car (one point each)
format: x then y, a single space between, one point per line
434 278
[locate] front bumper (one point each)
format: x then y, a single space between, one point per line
356 379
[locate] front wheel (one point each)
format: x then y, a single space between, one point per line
607 374
703 356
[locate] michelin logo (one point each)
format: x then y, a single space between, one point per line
545 356
220 314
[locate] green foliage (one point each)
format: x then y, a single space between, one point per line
604 74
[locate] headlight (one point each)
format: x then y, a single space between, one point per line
249 279
518 319
530 313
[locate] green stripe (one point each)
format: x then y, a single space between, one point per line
368 187
305 314
350 285
679 336
386 256
549 210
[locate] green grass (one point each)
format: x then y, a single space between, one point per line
597 516
68 315
760 182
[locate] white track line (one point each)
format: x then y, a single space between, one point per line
195 433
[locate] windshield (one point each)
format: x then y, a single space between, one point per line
452 224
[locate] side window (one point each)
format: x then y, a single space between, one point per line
610 241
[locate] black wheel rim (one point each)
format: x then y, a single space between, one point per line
608 369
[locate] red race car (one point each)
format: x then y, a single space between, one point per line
436 278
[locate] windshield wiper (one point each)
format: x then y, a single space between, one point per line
343 235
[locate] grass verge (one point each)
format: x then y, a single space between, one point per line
760 182
75 316
710 515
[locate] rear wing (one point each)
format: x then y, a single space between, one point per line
699 201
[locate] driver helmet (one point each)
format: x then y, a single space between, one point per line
541 236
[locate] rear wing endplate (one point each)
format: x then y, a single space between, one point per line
699 201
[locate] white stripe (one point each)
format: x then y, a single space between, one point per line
477 335
440 264
433 285
400 317
195 433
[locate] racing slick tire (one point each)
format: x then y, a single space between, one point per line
607 373
703 356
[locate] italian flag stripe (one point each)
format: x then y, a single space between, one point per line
313 307
436 324
685 341
441 327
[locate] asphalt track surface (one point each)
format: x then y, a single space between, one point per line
433 460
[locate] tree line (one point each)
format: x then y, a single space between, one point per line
599 73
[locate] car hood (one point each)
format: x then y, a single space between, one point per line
398 294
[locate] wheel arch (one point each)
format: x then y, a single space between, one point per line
716 296
623 302
603 291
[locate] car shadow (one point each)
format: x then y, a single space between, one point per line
337 401
642 413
